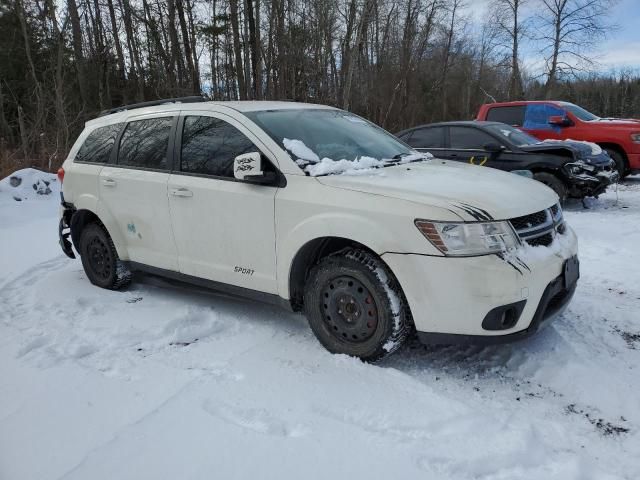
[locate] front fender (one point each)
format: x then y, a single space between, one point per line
344 225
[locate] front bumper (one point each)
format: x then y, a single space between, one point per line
64 228
592 185
450 297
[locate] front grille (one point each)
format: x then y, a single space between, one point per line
528 221
540 228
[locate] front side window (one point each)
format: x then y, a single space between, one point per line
511 115
98 144
468 138
427 138
209 146
580 112
144 143
537 116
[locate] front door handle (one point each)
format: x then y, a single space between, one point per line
181 192
108 182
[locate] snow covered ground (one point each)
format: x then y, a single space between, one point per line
163 381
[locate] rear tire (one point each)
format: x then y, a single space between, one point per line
621 165
355 306
554 183
100 259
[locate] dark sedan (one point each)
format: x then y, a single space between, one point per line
570 168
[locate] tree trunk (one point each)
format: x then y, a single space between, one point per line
76 32
353 53
237 49
117 43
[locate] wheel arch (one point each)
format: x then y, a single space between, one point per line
617 148
309 255
83 217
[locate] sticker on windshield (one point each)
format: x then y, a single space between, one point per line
506 133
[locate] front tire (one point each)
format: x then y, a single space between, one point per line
355 306
554 183
621 165
100 259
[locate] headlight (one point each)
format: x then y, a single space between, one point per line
635 137
579 167
467 239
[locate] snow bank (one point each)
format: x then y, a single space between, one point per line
28 183
165 381
311 163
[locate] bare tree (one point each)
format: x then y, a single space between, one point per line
511 27
570 29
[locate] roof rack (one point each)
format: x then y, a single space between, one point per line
192 99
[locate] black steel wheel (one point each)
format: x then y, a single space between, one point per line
350 309
355 305
100 259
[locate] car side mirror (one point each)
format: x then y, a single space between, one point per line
493 147
248 167
560 121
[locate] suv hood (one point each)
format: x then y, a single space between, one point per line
471 192
579 150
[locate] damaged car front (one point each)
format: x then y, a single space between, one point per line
589 172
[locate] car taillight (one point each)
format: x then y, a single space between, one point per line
61 174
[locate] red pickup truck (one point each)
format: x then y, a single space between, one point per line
563 121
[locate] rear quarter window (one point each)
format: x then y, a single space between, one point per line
511 115
97 147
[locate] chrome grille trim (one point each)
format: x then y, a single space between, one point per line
534 232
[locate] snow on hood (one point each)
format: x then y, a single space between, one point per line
311 163
595 148
586 151
29 183
454 186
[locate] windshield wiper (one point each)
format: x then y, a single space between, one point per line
396 159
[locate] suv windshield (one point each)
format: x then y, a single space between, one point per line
579 112
314 136
512 135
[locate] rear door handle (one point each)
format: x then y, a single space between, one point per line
181 192
108 182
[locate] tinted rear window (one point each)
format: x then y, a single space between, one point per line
510 115
98 144
144 143
427 138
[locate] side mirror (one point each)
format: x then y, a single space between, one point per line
248 167
560 121
493 147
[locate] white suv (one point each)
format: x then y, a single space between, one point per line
320 211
